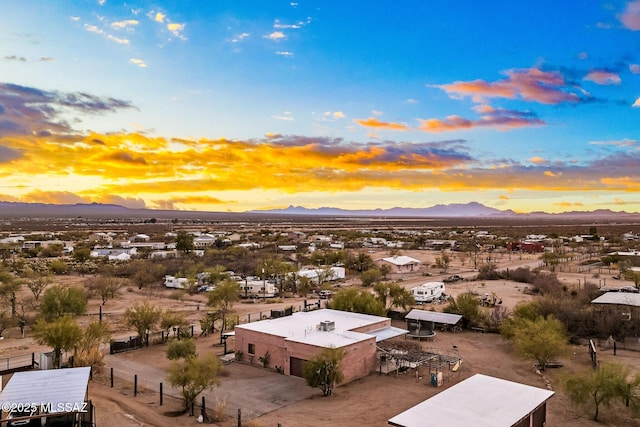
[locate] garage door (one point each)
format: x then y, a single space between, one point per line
296 366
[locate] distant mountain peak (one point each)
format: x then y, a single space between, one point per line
451 210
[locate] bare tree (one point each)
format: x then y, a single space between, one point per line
37 283
106 286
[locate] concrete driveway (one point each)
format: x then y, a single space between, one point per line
253 389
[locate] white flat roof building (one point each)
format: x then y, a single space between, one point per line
479 401
401 260
302 327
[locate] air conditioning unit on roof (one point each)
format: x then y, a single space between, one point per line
327 325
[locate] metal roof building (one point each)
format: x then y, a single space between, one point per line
480 401
55 386
618 298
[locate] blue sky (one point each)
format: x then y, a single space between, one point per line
237 105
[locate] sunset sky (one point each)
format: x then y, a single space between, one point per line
233 105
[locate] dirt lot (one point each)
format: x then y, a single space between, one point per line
370 401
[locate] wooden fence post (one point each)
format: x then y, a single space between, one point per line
135 385
111 377
160 394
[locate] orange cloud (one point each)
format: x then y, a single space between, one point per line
503 197
533 84
499 119
538 161
603 77
630 18
375 123
568 204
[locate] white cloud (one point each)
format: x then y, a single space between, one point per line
335 114
284 53
240 37
124 24
634 68
285 116
277 24
411 101
75 18
276 35
637 103
139 62
376 112
117 39
619 143
176 28
93 29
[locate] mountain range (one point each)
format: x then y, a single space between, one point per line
466 210
456 210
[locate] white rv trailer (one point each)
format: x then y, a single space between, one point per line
176 282
253 287
428 292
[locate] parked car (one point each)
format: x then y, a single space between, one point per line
631 289
454 278
325 294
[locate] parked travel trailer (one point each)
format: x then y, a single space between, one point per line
253 287
176 282
428 292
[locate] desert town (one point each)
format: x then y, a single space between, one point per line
156 322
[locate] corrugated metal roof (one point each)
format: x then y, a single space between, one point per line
479 401
620 298
54 386
433 316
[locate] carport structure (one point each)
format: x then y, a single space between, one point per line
423 324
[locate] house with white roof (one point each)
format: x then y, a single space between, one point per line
292 340
400 263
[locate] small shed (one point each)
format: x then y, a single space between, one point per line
625 304
51 391
618 298
480 401
422 323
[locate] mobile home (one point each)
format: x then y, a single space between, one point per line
428 292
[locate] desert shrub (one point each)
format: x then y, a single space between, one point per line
523 275
468 306
488 272
220 410
547 283
494 318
